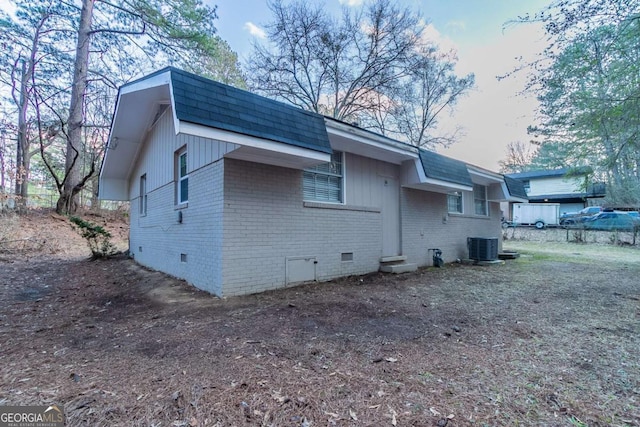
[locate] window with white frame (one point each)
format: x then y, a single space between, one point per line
182 177
324 183
143 194
454 202
480 199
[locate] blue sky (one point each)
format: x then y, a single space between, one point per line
492 115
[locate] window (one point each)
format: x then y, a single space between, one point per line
454 202
527 185
323 183
143 194
480 199
182 178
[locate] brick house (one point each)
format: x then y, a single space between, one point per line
237 193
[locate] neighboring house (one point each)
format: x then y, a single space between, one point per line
237 194
568 187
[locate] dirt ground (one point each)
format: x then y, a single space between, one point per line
549 339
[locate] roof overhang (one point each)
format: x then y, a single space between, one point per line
497 190
484 177
344 137
507 197
414 177
136 106
258 150
565 198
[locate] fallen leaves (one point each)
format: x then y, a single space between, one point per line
353 415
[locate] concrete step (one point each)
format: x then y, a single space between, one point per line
478 262
398 268
390 259
508 255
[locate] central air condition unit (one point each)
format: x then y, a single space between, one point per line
482 249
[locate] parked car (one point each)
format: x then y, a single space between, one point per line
570 218
618 221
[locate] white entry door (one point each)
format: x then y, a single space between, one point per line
390 216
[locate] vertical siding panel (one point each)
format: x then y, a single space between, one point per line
363 179
207 152
215 153
202 152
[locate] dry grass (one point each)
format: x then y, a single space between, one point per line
40 233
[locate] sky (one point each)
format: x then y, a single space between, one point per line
493 114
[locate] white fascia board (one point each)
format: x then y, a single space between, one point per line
517 200
368 138
453 186
250 141
420 168
147 83
430 181
137 86
508 197
486 175
172 105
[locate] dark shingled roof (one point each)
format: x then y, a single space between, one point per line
206 102
515 187
437 166
582 170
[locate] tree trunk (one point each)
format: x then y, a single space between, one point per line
23 156
22 144
3 147
68 201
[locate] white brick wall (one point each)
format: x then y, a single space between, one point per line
425 224
157 240
265 222
243 221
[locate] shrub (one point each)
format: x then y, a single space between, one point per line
98 239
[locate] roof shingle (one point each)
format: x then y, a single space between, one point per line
437 166
205 102
515 187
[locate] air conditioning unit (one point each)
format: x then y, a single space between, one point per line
482 249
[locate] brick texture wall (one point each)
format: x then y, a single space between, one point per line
265 221
426 224
190 250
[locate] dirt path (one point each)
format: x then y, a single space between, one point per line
538 341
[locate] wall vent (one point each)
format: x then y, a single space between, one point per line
346 256
183 257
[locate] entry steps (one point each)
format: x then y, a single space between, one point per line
396 264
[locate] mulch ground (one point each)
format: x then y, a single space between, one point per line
539 341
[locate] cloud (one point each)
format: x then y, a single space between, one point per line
254 30
8 7
493 114
351 3
456 26
431 35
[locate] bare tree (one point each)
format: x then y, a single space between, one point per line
368 67
429 89
32 57
157 27
334 67
519 157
